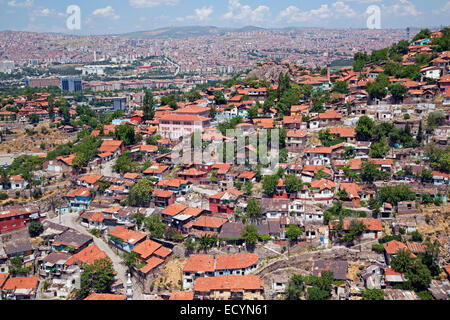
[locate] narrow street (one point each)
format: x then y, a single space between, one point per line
69 220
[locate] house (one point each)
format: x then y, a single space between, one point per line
407 207
177 186
53 264
17 182
71 241
202 265
17 218
20 288
373 228
205 225
338 267
373 276
296 140
89 181
231 287
328 118
293 122
398 294
89 255
192 174
79 199
386 211
274 208
21 248
126 239
353 193
175 126
163 198
231 232
114 147
385 165
56 165
392 277
93 220
224 202
157 171
392 248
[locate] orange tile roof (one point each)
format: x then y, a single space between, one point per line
79 192
110 146
371 224
229 282
147 248
183 117
163 252
156 169
209 222
3 278
296 134
163 193
182 295
200 263
91 178
236 261
323 184
247 174
381 162
236 193
129 236
105 296
175 183
152 263
352 189
344 132
325 150
394 246
21 283
193 211
174 209
88 255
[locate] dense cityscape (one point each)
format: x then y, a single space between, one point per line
225 164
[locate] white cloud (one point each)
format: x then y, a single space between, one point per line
107 12
338 9
201 14
46 12
444 10
152 3
25 4
402 8
244 13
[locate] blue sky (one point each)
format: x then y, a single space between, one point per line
119 16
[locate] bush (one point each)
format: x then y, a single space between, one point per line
3 196
378 248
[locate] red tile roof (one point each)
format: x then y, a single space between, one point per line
110 146
152 263
129 236
236 261
182 295
79 192
21 283
174 209
3 278
209 222
200 263
394 246
105 296
91 178
88 255
147 248
231 282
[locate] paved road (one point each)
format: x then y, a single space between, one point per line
69 220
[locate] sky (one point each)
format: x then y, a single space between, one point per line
121 16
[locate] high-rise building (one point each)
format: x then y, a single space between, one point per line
42 82
71 84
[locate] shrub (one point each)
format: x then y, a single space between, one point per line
3 196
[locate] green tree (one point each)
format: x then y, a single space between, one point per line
294 290
364 128
35 229
126 134
373 294
398 91
250 235
341 87
269 183
219 98
155 225
124 164
253 208
140 193
148 104
423 34
379 149
293 184
293 232
130 259
97 277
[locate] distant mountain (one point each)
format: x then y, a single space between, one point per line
185 32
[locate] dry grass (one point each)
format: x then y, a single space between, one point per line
173 270
353 270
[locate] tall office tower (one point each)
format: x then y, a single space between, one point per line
71 84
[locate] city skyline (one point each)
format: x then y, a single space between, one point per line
116 17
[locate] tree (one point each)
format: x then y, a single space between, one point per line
253 112
130 259
155 225
97 277
420 136
253 208
35 229
148 104
373 294
379 149
250 235
315 293
398 91
189 244
354 229
207 241
126 134
295 287
423 34
269 183
341 87
293 184
219 98
396 194
140 193
364 128
124 163
376 90
370 172
248 186
293 232
402 261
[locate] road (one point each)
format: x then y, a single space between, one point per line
69 220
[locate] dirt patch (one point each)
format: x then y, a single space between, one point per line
173 271
353 270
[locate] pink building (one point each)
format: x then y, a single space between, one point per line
174 126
